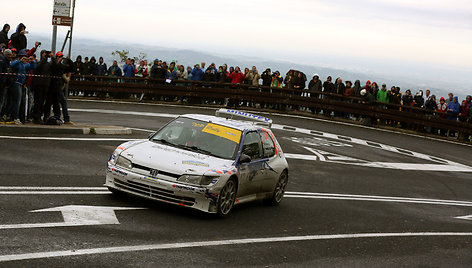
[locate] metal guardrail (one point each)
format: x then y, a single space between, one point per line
276 97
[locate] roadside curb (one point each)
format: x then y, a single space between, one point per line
31 129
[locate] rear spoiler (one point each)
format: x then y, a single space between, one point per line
229 113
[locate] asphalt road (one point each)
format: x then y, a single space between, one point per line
357 197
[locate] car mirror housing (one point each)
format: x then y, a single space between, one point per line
244 158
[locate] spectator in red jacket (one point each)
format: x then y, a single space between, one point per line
464 111
236 77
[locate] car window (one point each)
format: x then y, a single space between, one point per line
199 136
251 145
268 148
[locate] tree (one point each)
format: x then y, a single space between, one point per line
122 54
140 57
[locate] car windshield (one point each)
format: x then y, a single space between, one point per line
200 136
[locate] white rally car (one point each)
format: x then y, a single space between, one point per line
209 163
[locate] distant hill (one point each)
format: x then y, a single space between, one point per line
187 57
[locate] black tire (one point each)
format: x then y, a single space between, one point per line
279 190
227 197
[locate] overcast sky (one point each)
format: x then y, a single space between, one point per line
351 34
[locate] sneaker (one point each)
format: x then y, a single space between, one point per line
17 122
69 123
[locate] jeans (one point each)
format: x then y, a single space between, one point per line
3 95
14 94
63 102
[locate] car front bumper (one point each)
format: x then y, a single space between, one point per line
197 197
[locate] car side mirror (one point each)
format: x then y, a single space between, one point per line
151 135
244 158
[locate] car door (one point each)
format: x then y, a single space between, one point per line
252 173
270 175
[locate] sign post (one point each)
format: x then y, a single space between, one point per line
60 17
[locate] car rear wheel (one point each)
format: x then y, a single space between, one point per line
279 190
227 197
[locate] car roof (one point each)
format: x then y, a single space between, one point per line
236 124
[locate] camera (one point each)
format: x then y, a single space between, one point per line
39 44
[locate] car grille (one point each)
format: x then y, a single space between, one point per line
155 192
173 175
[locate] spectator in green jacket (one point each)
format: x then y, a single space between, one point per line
382 95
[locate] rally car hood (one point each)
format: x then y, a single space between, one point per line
168 159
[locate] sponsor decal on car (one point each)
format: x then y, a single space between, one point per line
182 152
195 163
224 132
189 188
118 172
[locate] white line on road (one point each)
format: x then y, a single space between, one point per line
51 192
66 139
282 115
26 190
75 188
378 198
78 252
104 111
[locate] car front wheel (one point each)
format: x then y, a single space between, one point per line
227 197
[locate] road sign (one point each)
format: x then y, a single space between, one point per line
61 21
75 216
61 8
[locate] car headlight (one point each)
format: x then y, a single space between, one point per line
123 162
197 179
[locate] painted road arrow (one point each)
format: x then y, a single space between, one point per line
75 216
468 217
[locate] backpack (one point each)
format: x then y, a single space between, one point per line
54 121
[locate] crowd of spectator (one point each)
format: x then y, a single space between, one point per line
29 86
53 75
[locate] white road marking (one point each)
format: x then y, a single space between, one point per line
104 190
371 144
104 111
75 188
66 139
75 216
281 115
147 104
214 243
468 217
377 198
143 130
52 192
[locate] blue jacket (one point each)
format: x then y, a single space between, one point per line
172 75
197 74
128 70
454 107
22 70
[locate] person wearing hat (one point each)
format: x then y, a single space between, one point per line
20 66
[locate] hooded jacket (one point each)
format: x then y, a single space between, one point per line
453 109
4 35
19 40
464 112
